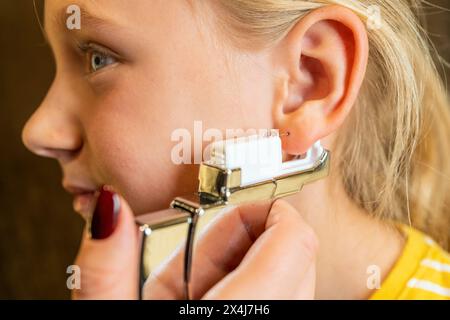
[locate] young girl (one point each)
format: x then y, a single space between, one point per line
357 75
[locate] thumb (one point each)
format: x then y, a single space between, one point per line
109 253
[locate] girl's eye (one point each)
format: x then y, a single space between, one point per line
99 60
96 57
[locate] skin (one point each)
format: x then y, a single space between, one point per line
105 128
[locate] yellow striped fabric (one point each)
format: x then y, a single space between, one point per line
421 272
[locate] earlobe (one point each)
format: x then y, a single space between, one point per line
321 64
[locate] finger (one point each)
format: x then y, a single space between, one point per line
109 266
223 245
279 265
219 248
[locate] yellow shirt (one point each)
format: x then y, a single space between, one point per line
421 272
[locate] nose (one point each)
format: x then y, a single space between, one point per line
53 130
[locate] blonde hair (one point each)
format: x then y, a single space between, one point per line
393 153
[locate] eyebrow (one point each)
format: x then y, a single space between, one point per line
87 20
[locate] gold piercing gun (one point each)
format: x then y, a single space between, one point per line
240 170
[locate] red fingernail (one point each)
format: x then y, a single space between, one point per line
104 218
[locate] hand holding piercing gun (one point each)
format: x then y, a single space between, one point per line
239 171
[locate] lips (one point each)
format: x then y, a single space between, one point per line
84 199
84 203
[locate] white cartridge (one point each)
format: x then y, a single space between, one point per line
260 157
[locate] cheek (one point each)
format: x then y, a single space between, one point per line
131 151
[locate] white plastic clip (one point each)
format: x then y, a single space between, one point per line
260 157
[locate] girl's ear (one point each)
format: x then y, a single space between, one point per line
320 65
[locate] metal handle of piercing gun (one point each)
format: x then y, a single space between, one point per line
175 229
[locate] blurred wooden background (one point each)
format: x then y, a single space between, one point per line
39 233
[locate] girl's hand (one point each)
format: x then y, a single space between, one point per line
254 251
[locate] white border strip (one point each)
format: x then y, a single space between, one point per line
436 265
429 286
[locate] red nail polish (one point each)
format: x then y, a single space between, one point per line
104 218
